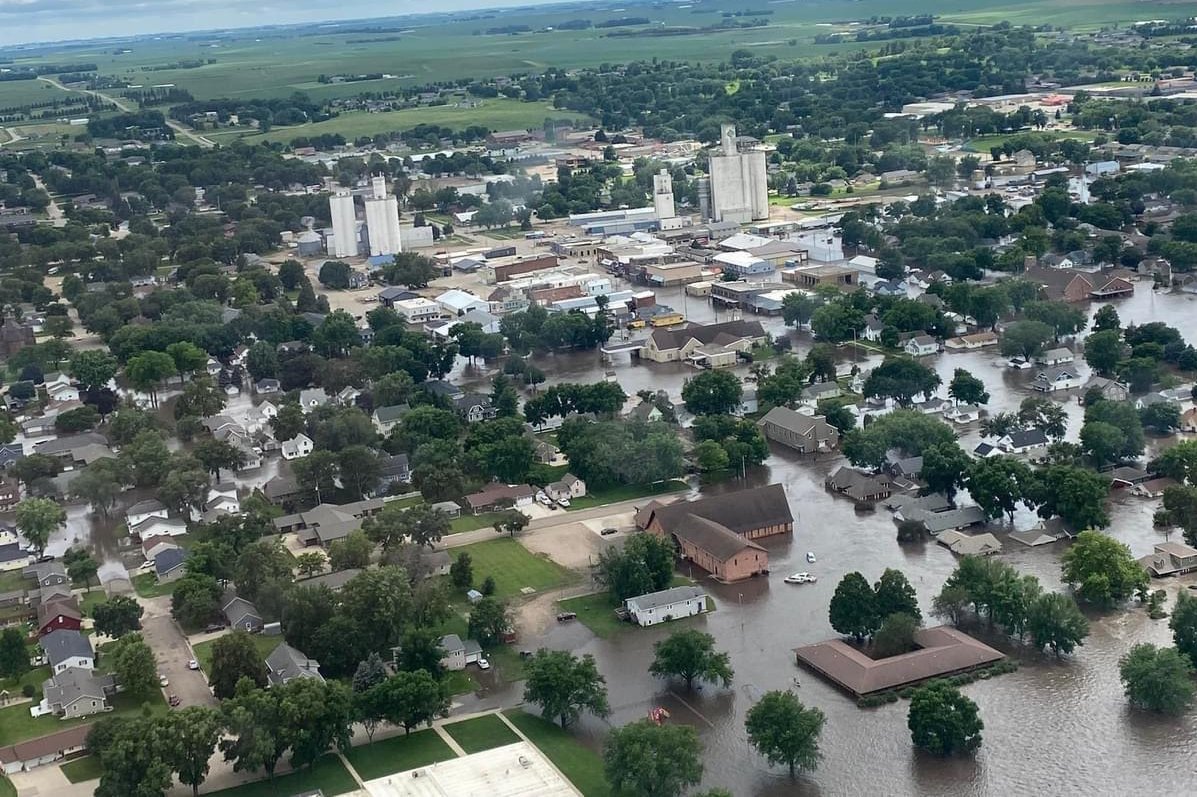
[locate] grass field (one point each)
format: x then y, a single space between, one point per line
33 677
497 114
481 733
264 644
513 567
16 725
328 775
473 522
16 93
581 765
147 586
597 611
82 769
627 493
398 754
984 143
6 787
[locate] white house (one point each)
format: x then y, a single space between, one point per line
312 398
61 392
1049 380
348 396
144 510
155 526
668 604
569 487
963 413
872 329
66 648
459 653
1060 356
418 310
1023 441
921 346
297 447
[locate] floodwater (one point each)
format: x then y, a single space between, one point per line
1055 727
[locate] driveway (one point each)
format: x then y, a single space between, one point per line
172 654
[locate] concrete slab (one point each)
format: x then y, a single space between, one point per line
515 770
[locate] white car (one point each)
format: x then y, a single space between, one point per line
483 664
800 578
543 499
193 665
163 681
563 503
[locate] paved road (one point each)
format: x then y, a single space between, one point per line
172 653
53 210
127 107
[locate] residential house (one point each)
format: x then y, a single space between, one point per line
674 603
717 532
963 544
1023 441
674 345
474 407
297 447
327 523
458 652
14 557
267 386
66 648
282 490
811 395
921 346
313 397
1060 377
1170 559
1070 285
285 663
393 469
568 488
1108 389
348 396
75 693
450 508
240 613
806 434
25 756
962 413
646 411
169 563
872 329
860 487
1057 356
1153 488
978 340
72 449
60 613
156 526
387 418
47 574
10 494
435 563
144 510
1188 420
11 453
497 496
335 581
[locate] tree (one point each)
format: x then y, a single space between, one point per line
421 650
511 521
853 609
712 393
289 421
262 361
997 484
1183 623
1055 621
257 734
967 388
410 269
100 484
14 657
1163 417
117 616
310 563
1157 679
691 654
784 731
259 564
895 636
335 274
409 699
316 715
894 595
1025 339
191 736
461 571
1103 350
564 685
187 357
1102 570
81 566
133 762
217 454
710 456
489 620
644 565
643 759
1105 319
944 469
145 371
93 368
380 603
195 601
134 665
235 656
421 525
37 519
1123 416
901 379
942 721
1077 495
352 552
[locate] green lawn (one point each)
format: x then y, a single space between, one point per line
474 522
985 143
147 586
459 682
513 567
81 769
12 580
597 611
264 644
90 599
481 733
398 754
582 766
34 677
6 787
328 775
627 493
16 725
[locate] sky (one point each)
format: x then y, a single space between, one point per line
24 21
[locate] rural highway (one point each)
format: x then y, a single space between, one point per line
127 107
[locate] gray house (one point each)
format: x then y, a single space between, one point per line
242 614
285 663
76 692
806 434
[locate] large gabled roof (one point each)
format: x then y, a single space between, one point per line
739 512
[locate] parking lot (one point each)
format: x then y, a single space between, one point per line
172 654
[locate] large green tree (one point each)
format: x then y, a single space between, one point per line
690 654
712 393
1157 679
643 759
853 609
942 721
37 519
1102 569
117 616
235 656
410 699
190 738
1183 623
784 731
894 594
901 378
1055 621
564 685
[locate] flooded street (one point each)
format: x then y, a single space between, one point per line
1059 727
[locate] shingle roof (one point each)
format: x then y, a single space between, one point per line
667 597
707 334
740 511
74 683
64 643
169 559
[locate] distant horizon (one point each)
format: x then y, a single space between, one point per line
50 23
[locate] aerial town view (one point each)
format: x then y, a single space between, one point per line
710 398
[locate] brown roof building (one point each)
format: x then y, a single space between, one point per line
942 652
860 487
717 533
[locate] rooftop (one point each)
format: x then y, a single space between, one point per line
514 770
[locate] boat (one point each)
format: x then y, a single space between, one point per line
810 557
801 578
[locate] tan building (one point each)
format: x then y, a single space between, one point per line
806 434
672 345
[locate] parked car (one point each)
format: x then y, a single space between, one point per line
607 532
174 701
163 681
209 629
543 499
483 664
565 617
800 578
563 503
193 665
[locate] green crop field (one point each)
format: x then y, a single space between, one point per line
15 93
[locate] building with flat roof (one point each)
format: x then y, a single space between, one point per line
514 770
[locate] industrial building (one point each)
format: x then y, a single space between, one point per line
344 239
739 183
382 220
663 201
